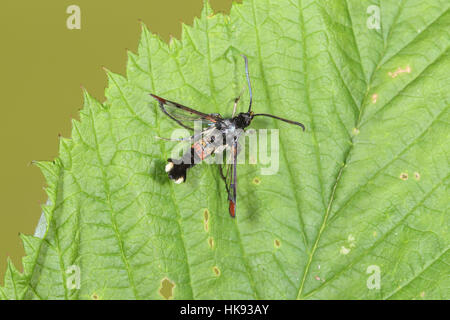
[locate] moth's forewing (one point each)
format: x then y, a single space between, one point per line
183 115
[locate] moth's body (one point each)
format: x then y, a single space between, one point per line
214 140
222 134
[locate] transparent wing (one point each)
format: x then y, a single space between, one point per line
183 115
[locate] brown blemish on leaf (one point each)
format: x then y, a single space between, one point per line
374 98
216 271
404 176
277 243
211 242
206 219
166 288
417 176
256 180
95 296
399 70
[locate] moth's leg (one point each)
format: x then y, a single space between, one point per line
224 176
221 173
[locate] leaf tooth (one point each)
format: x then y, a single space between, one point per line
147 37
14 284
114 79
65 146
47 208
50 170
91 103
11 267
207 10
31 245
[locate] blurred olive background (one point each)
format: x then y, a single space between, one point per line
42 66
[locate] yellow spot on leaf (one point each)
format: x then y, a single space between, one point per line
344 250
206 219
351 241
399 70
256 181
404 176
95 296
216 271
211 242
374 98
166 289
277 243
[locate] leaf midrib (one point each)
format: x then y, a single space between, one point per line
346 157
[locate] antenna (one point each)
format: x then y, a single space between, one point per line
251 96
282 119
248 81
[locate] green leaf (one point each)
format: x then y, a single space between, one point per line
363 190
